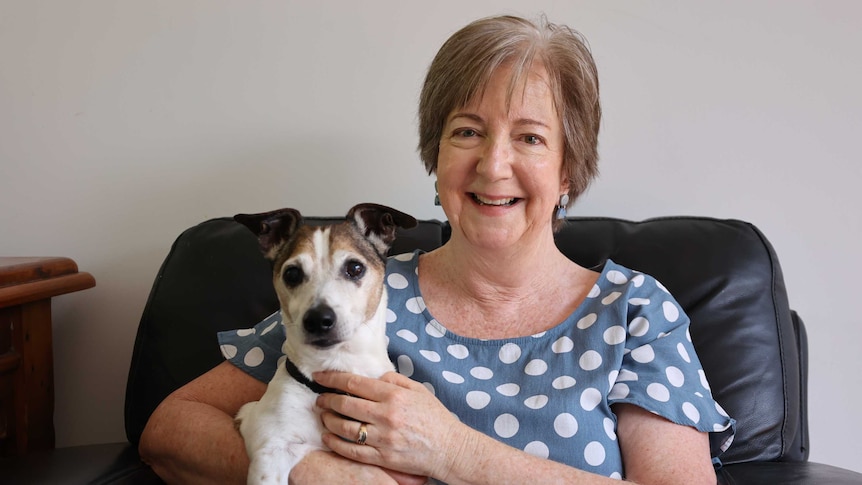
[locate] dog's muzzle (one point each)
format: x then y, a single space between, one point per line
319 324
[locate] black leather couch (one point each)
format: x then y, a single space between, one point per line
723 272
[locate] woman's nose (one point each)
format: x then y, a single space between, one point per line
496 160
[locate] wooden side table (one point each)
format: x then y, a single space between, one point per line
26 354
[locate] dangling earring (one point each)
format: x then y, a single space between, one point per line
561 209
436 194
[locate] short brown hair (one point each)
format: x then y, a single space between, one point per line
467 60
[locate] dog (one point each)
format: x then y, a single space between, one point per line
330 286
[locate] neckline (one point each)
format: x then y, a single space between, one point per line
441 330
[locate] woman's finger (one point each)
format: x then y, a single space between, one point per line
402 381
348 429
353 384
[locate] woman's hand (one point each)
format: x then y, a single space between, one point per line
408 429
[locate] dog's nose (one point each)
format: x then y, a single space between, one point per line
319 320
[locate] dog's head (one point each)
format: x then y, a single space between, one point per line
329 279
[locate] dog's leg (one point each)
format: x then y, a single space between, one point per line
279 430
272 464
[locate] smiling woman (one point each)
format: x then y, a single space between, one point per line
459 75
515 364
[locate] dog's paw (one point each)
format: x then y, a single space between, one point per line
268 477
271 466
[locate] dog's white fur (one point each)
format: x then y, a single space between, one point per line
284 426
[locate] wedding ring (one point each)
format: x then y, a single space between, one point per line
363 434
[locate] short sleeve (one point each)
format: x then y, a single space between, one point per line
256 350
660 370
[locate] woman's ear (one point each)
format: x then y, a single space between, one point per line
564 183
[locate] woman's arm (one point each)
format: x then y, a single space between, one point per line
656 450
191 436
410 430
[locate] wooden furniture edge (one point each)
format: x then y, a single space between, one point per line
47 288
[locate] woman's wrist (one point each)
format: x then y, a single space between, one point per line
465 452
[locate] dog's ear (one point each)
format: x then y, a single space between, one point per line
378 223
272 229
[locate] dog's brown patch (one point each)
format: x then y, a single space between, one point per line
347 238
300 241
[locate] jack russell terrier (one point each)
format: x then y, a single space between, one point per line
330 285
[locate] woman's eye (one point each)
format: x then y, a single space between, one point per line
466 133
532 140
293 276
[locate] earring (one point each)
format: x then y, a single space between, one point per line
561 209
436 194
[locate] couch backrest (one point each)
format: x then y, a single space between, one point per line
723 272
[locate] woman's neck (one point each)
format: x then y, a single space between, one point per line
509 273
487 294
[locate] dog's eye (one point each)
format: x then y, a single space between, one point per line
292 276
354 269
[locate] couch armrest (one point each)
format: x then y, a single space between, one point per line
110 463
786 473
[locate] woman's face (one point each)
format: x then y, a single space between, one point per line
499 170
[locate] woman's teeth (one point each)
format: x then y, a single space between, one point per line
495 202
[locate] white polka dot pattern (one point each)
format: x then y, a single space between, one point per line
453 377
590 398
390 316
536 402
675 376
566 425
506 426
271 327
549 394
509 389
253 357
590 360
563 345
587 321
537 448
430 355
563 382
433 329
478 399
594 453
396 281
483 373
510 353
540 373
536 367
458 351
229 351
405 365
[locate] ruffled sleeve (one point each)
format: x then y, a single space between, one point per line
660 370
256 350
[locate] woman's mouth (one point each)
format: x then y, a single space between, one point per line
504 202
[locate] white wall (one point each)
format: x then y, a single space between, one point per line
122 123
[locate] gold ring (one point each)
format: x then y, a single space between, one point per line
363 434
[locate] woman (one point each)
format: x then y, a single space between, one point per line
516 365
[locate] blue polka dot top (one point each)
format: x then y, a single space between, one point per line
548 394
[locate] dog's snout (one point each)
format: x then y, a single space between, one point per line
319 320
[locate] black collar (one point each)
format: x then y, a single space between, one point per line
299 376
